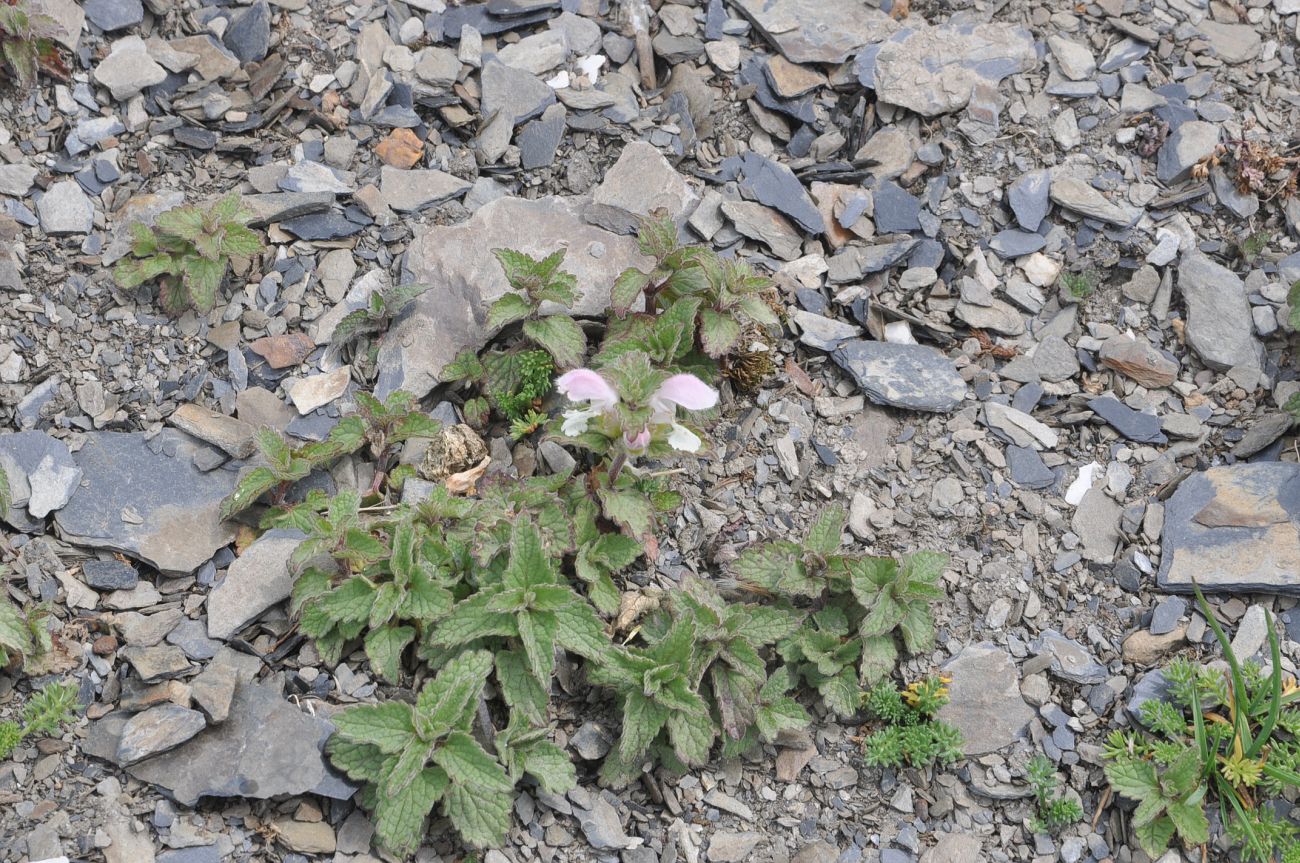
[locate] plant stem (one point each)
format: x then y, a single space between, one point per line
616 467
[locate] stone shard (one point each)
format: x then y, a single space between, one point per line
157 730
1139 361
906 376
985 703
42 477
146 498
229 434
638 184
817 31
1029 199
409 191
467 279
933 70
1078 196
255 581
267 747
1234 528
774 185
1219 324
765 225
1184 148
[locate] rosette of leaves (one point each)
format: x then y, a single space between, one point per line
1055 811
1227 739
728 296
187 251
380 426
414 757
867 604
362 325
513 381
371 581
27 42
525 614
911 735
726 662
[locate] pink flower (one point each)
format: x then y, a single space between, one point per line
637 442
584 385
686 390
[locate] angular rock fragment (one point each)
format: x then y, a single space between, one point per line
42 477
638 184
146 498
1234 528
256 580
267 747
1219 324
817 31
984 702
906 376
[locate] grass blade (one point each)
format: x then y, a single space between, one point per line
1242 708
1275 692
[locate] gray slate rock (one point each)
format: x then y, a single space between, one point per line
639 183
896 212
933 70
1234 529
1012 244
517 94
905 376
1027 468
410 191
165 515
255 581
1069 659
110 15
1078 196
1134 425
267 747
66 209
1166 615
817 31
774 185
42 475
157 730
1185 146
540 138
458 261
1219 324
984 699
249 35
109 574
1029 198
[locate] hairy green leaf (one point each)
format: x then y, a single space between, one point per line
562 338
388 726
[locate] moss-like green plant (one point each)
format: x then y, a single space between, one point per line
1080 286
188 251
911 735
48 710
1055 811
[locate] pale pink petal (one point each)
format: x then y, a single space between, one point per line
686 390
584 385
639 442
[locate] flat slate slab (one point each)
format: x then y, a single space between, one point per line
817 31
458 261
42 477
266 747
904 376
145 498
1234 528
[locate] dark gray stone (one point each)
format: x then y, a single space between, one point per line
1028 469
196 137
1029 198
1011 243
249 35
905 376
857 261
817 31
191 636
540 138
896 212
110 15
42 477
322 226
109 574
774 185
1165 617
518 94
1219 324
1234 528
1153 686
146 499
1134 425
157 730
267 747
193 854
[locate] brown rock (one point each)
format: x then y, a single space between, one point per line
227 433
104 645
283 351
401 149
1144 649
305 837
1138 360
790 80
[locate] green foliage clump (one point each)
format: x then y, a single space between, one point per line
1225 739
911 735
725 297
48 710
864 602
361 328
188 251
27 42
22 631
1055 811
1079 286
